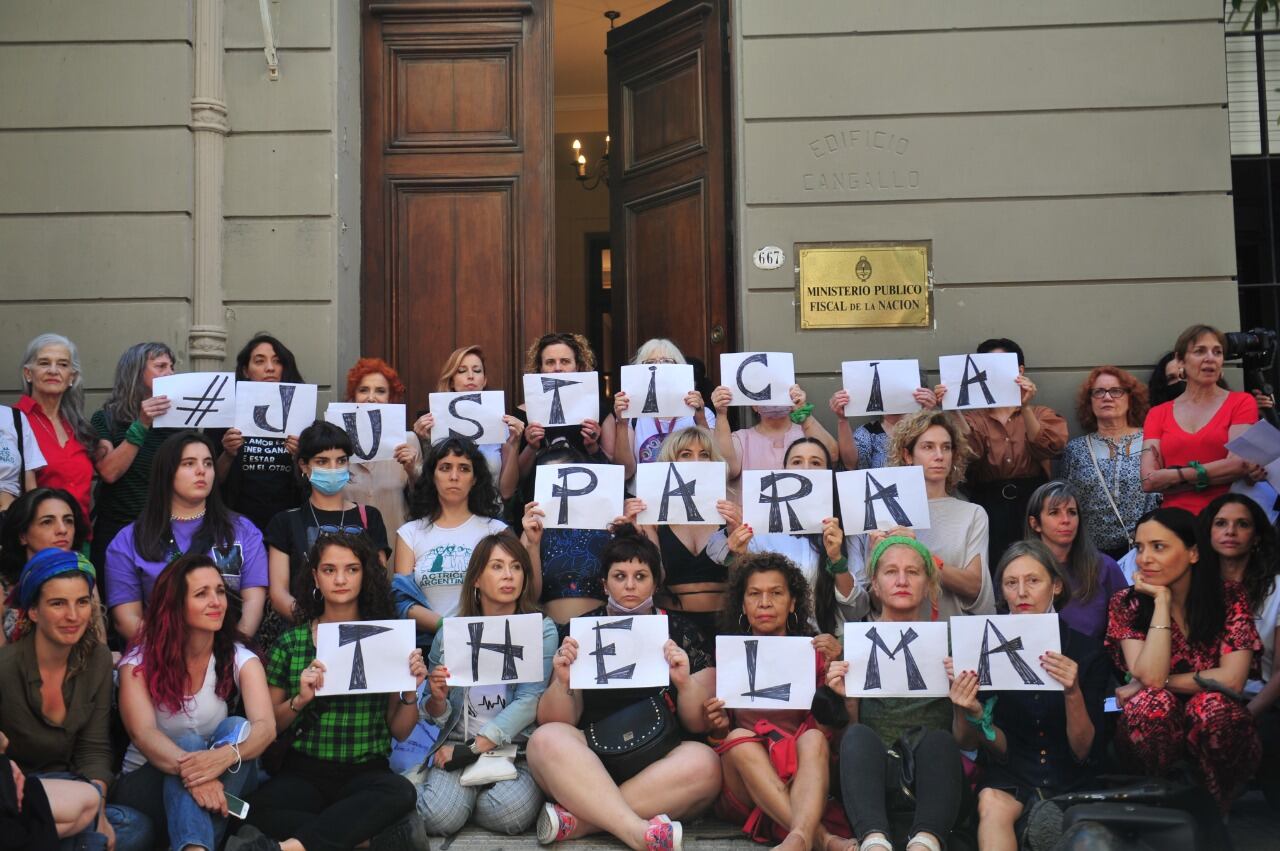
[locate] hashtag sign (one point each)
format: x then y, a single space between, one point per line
206 403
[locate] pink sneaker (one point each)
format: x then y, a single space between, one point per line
555 823
663 834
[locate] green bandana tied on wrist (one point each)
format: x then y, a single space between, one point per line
984 723
801 413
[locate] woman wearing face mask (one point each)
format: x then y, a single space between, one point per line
184 514
40 519
1189 641
465 372
903 578
381 484
643 806
1034 744
475 720
957 531
867 448
127 442
1167 380
257 472
1092 578
1185 453
564 353
641 439
324 453
1104 465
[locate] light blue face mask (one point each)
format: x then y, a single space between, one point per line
329 482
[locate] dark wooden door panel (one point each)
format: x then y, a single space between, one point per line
670 183
456 200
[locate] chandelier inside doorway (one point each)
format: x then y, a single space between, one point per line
591 175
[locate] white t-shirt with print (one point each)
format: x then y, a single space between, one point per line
441 556
203 711
9 464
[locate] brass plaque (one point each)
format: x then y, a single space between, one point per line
863 284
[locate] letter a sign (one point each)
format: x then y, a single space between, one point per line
980 381
882 498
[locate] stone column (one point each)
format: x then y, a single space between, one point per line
207 339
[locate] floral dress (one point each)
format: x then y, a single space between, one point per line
1120 462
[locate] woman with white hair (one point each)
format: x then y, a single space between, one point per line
53 401
639 441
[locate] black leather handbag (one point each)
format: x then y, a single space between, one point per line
634 737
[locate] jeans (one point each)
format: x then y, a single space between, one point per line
132 829
164 799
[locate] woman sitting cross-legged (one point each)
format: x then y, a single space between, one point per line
903 574
475 720
184 667
335 789
777 763
1034 744
594 793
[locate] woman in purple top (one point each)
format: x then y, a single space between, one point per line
184 513
1054 518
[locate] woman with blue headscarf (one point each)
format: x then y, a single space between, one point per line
55 699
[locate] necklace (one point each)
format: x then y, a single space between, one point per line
342 521
179 517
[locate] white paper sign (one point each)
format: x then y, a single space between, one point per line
878 387
620 652
197 400
476 416
1260 444
579 496
562 398
980 381
680 493
882 498
365 657
375 430
889 659
791 502
771 672
493 651
758 378
1263 493
271 409
1005 650
657 389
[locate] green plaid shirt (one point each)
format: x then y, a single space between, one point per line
350 728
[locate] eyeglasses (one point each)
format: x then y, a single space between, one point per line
659 360
1103 392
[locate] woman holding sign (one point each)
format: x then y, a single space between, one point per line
1189 642
763 446
777 763
182 672
478 719
640 439
1034 744
903 576
554 353
634 800
381 484
335 788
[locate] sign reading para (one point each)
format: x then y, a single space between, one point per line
562 398
765 672
375 430
657 389
349 669
1005 650
579 496
477 416
980 381
879 387
273 409
680 493
620 652
197 400
888 659
882 498
758 378
792 502
501 650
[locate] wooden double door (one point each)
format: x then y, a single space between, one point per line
457 206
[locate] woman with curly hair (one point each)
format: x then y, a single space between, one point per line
1104 465
957 531
561 352
381 484
465 371
777 763
335 788
186 665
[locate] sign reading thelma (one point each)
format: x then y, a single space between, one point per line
863 284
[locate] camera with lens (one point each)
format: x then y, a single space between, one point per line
1255 349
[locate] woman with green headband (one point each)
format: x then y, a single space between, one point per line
903 577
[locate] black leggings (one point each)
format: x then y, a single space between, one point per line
329 806
939 783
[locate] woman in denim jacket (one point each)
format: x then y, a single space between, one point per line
478 719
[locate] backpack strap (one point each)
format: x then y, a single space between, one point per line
18 427
364 515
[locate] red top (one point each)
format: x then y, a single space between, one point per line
1178 448
68 465
1238 633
